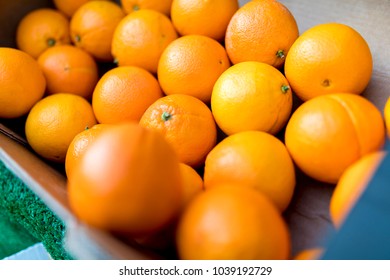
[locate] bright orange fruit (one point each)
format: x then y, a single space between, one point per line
187 124
41 29
254 159
352 184
69 69
330 132
208 18
92 27
128 182
261 30
124 93
191 65
322 61
22 83
141 37
232 223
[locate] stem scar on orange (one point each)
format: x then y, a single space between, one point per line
251 96
187 124
41 29
261 30
329 58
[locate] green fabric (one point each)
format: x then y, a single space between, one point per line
13 237
24 210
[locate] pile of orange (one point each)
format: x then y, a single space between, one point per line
175 117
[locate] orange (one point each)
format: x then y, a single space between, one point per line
163 241
69 7
22 83
330 132
162 6
232 223
187 124
309 254
192 184
261 30
42 29
124 93
69 69
254 159
386 113
208 18
190 65
329 58
80 144
127 182
141 37
251 96
352 184
92 27
54 121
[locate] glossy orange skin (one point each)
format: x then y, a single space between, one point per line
352 184
54 121
22 83
328 133
92 28
124 93
251 96
254 159
127 182
69 7
261 30
192 184
191 65
141 37
232 223
208 18
187 124
69 69
42 29
322 61
162 6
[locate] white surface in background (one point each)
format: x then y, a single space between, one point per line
34 252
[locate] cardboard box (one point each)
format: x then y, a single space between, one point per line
308 215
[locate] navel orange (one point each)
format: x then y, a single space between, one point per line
162 6
328 133
92 27
69 69
261 30
127 182
141 37
22 83
208 18
124 93
329 58
232 223
54 121
41 29
187 124
251 96
254 159
191 65
80 144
